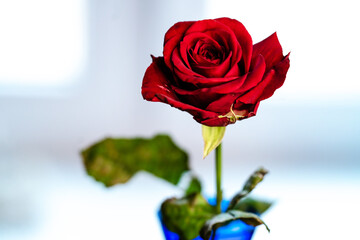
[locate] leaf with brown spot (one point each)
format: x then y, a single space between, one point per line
112 161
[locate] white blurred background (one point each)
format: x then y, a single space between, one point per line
71 74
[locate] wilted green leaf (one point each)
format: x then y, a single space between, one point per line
250 184
212 138
194 186
113 161
186 216
223 219
252 205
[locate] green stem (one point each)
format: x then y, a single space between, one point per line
218 178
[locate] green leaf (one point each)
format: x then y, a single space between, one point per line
250 184
212 138
186 216
252 205
194 186
113 161
223 219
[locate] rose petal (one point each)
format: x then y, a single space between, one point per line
227 39
234 71
255 75
222 105
190 77
271 81
270 49
172 39
206 68
227 36
220 39
250 109
214 71
278 79
200 101
215 122
156 88
180 65
239 85
192 41
243 38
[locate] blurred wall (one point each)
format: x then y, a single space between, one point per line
105 99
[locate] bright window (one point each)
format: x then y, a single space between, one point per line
42 43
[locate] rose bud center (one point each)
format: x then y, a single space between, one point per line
210 54
206 54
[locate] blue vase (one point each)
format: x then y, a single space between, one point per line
236 230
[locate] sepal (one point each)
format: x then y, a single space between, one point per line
212 138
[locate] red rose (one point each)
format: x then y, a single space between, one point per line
212 70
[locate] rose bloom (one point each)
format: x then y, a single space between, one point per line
212 70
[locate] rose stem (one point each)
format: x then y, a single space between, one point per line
218 178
